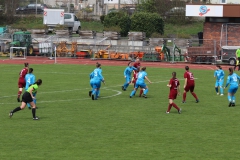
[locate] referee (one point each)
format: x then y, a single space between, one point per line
28 97
238 59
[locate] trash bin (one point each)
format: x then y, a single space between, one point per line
200 38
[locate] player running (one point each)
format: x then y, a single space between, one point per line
96 80
30 79
232 80
219 75
142 75
91 84
127 75
189 84
134 79
174 86
21 80
28 97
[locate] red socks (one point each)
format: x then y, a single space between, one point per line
194 95
184 96
19 93
141 92
170 106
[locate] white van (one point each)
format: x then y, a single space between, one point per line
54 17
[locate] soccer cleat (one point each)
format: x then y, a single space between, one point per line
221 95
183 101
18 99
10 114
167 112
92 96
35 118
144 96
130 96
29 108
123 88
233 104
230 104
90 93
217 93
197 100
180 111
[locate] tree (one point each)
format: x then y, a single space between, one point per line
147 22
9 7
147 6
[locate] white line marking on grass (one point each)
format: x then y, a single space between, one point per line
118 93
65 100
106 88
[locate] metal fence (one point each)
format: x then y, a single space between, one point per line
161 49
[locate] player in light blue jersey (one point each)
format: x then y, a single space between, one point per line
91 82
219 75
96 80
232 80
128 75
30 79
142 75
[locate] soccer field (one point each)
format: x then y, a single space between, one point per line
72 126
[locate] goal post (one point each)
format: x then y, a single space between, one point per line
18 52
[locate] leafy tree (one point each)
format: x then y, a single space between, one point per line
119 20
147 22
147 6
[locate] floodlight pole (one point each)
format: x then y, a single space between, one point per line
36 7
118 4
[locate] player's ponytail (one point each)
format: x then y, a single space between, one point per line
98 65
38 82
30 70
218 66
26 64
143 68
230 71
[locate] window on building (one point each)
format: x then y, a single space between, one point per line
223 1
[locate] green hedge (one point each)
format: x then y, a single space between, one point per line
147 22
119 19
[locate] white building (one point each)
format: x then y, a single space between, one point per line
225 1
100 6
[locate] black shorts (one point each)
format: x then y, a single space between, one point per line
26 97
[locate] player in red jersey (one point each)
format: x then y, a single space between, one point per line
21 80
134 79
174 86
137 63
189 84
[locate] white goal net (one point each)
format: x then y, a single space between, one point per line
18 52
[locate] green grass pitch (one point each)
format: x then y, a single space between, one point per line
74 127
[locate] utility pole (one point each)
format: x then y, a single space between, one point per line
36 7
68 5
119 5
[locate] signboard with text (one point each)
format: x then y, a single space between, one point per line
204 10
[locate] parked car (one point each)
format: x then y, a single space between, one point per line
175 11
228 54
31 9
128 10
